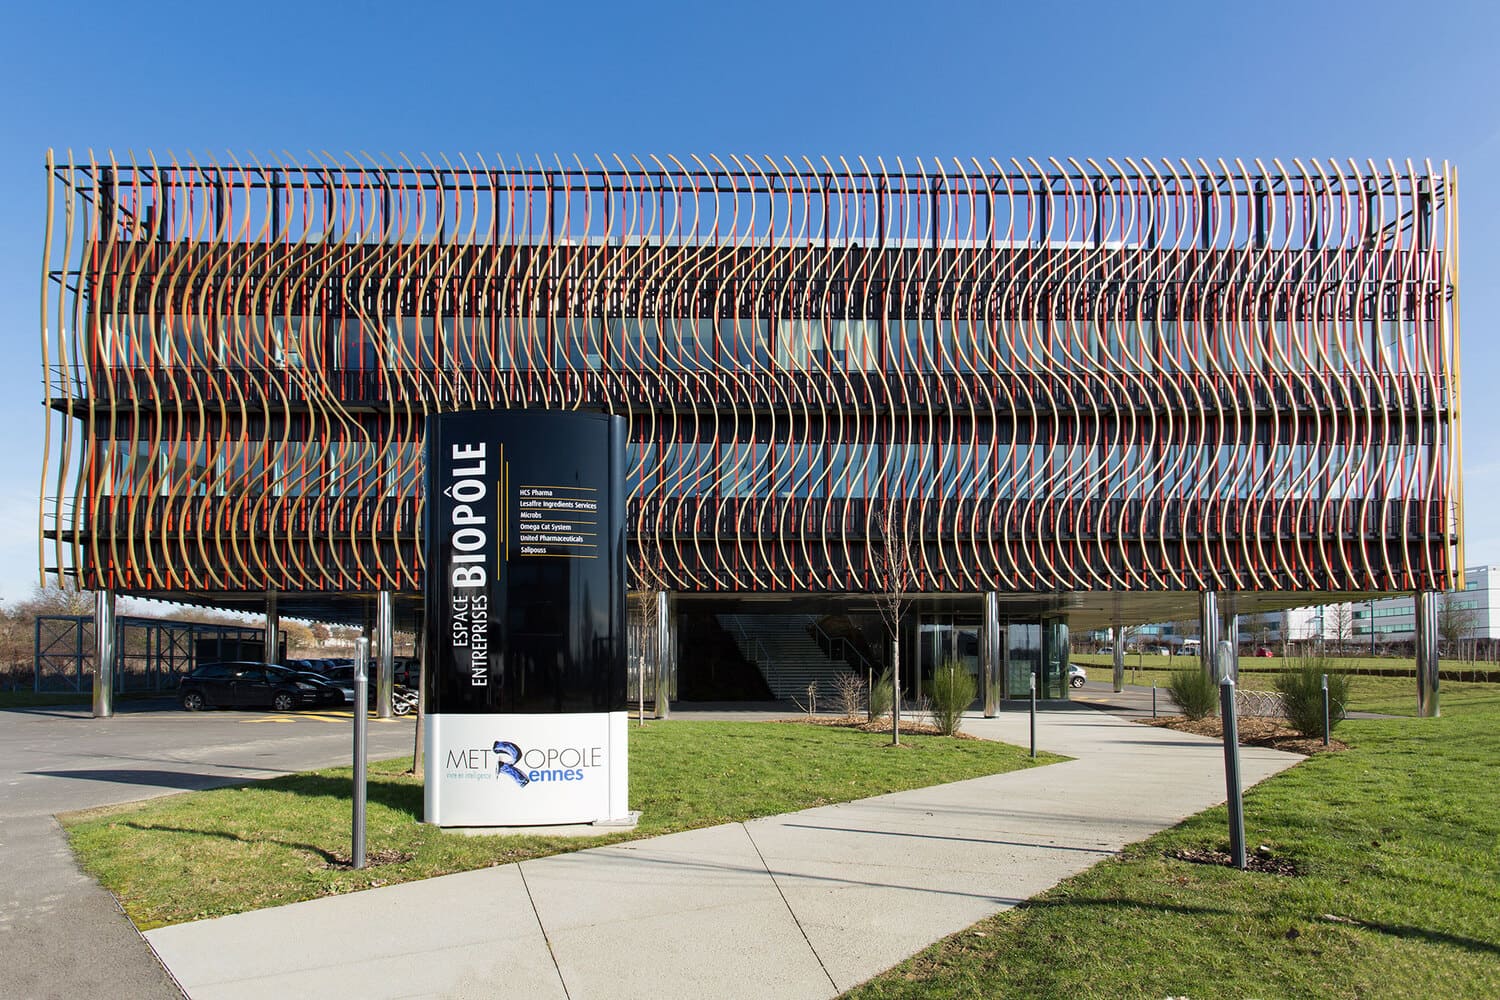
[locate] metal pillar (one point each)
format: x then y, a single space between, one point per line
1117 636
994 656
1230 633
104 653
273 629
1208 628
1427 653
666 654
384 641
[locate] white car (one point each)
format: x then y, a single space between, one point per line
1076 675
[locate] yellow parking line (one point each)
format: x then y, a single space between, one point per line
332 717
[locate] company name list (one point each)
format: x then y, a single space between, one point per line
558 521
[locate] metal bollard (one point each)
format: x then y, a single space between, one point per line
1232 773
1325 710
1153 701
1033 715
361 723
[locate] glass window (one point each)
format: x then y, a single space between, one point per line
800 344
742 468
744 342
640 468
853 469
1025 640
855 344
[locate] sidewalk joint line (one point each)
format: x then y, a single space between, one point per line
787 903
542 927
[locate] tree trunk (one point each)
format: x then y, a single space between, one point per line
896 690
421 651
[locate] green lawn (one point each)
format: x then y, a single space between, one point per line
1368 693
205 854
1399 842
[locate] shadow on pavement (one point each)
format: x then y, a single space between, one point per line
187 780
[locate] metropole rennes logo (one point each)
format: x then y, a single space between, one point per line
508 759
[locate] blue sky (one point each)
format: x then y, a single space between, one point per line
1365 79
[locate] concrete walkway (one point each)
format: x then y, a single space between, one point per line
63 935
806 904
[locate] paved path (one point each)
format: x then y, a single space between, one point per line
61 934
802 905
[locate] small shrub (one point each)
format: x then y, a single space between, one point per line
951 691
849 694
1195 692
1301 690
881 696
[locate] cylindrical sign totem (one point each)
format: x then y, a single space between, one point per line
525 612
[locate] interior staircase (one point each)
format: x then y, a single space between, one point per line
786 653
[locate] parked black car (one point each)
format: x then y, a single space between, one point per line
254 685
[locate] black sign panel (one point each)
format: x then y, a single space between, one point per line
525 585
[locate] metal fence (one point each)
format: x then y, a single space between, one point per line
150 653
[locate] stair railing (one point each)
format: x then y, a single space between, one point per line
759 655
844 647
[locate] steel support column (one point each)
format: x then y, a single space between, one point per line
1427 652
384 640
994 655
1208 630
666 654
273 629
104 653
1117 637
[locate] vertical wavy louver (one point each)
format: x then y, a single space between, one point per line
1132 375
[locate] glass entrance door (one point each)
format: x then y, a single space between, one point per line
945 637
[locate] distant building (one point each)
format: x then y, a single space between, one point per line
1468 614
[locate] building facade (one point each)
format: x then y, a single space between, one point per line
1468 616
1030 394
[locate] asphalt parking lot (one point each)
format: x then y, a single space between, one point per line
62 934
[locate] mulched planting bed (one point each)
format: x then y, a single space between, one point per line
372 859
878 726
1274 734
1260 860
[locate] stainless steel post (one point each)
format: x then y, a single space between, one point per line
385 639
104 653
1232 773
1033 713
1427 653
1119 649
1325 710
666 651
1230 632
361 724
273 629
1208 630
1224 661
993 656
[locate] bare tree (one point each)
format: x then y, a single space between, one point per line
893 562
1456 621
420 649
58 599
640 626
1256 629
1338 624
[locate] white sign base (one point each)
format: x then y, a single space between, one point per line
526 770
